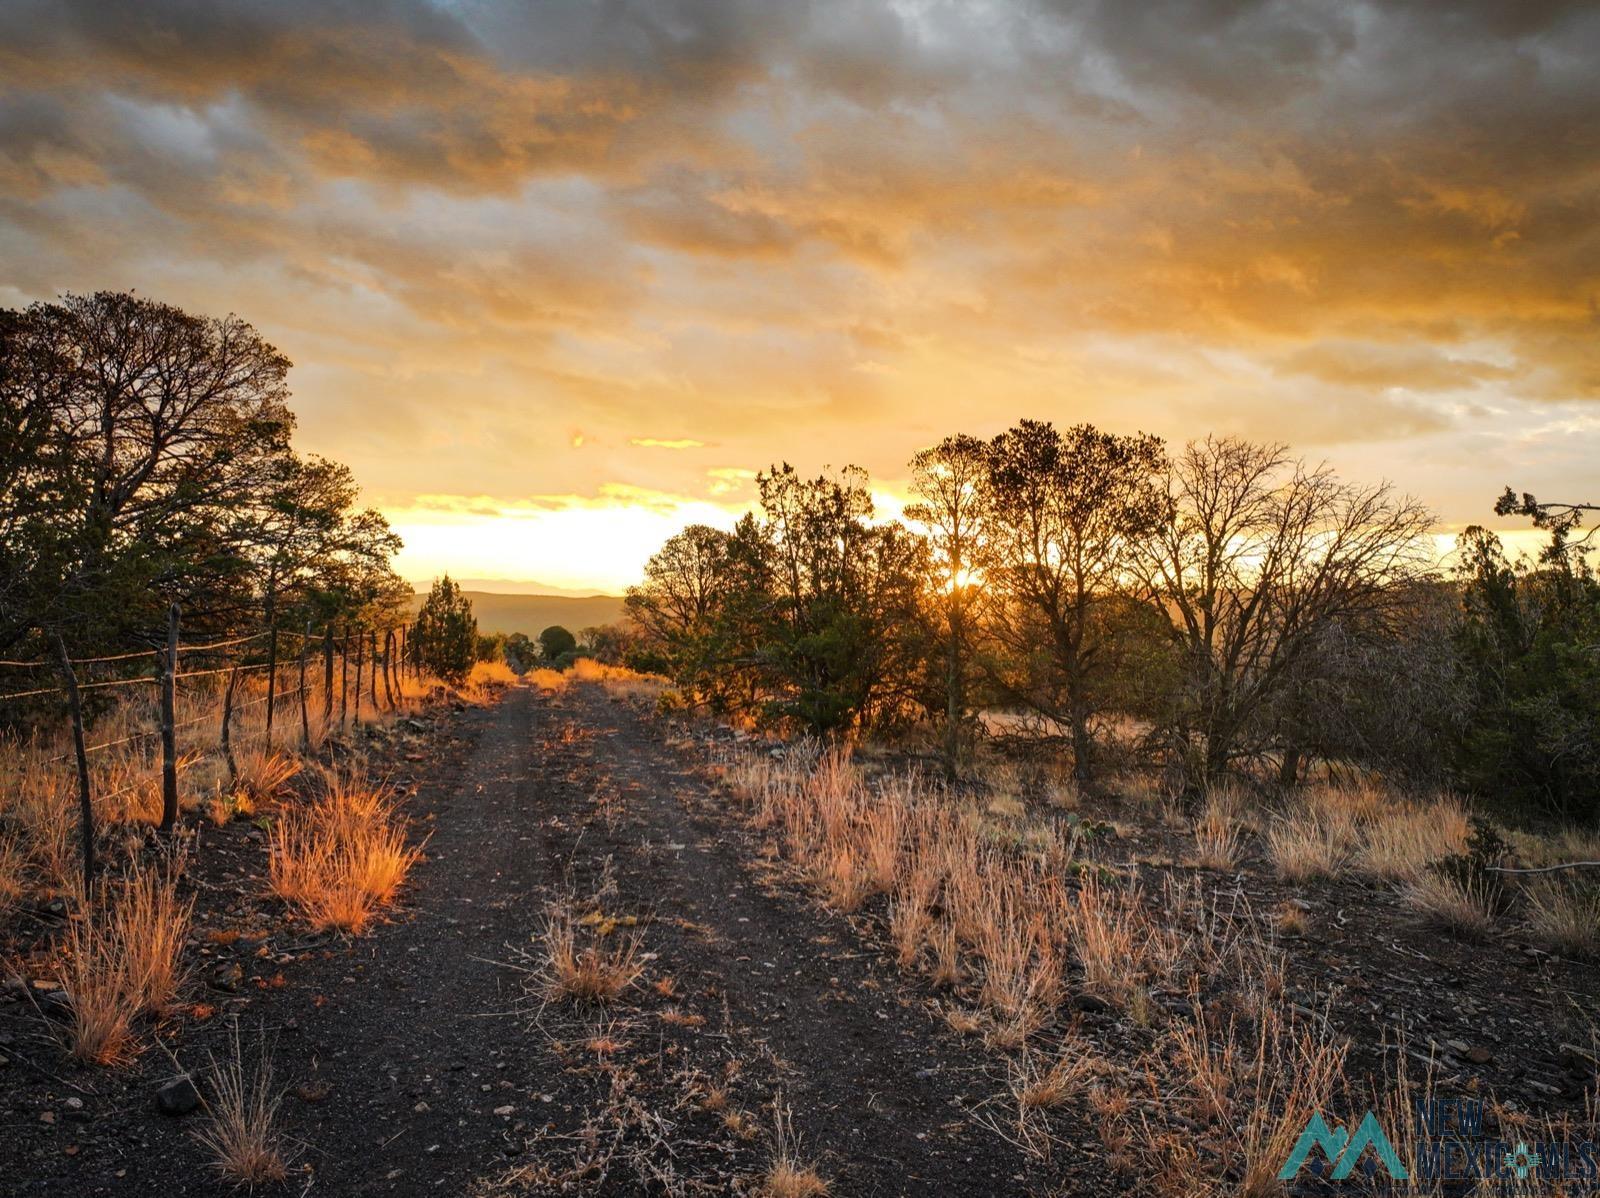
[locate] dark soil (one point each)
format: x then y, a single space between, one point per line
422 1059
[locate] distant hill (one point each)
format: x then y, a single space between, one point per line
532 614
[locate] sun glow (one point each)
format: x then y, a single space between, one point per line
566 542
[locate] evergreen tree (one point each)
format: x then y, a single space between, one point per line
444 639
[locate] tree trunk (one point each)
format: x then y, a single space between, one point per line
1289 768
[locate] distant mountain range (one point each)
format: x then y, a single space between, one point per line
532 614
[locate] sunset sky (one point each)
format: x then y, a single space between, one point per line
560 277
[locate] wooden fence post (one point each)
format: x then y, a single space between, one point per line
85 797
327 677
169 744
305 699
344 678
388 652
361 645
272 664
227 725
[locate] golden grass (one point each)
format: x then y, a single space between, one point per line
264 776
1045 1085
1217 836
13 874
1450 904
343 857
1565 919
1401 841
241 1121
491 674
789 1176
123 962
581 970
1112 935
548 680
1310 844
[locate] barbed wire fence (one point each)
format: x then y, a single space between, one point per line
237 656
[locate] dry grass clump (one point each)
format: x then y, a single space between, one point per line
547 680
343 857
13 874
264 776
789 1176
1217 834
1457 906
574 969
1310 844
1404 838
241 1121
490 674
1042 1084
37 803
1565 918
123 963
1113 936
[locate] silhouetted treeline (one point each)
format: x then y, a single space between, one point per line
1231 604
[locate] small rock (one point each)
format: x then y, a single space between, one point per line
1479 1055
1090 1004
178 1096
55 1004
505 1110
228 976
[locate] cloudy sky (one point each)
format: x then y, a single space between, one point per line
558 277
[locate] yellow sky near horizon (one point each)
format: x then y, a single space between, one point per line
559 279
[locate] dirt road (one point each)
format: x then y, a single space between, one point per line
416 1061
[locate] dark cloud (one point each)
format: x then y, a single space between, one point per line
1377 215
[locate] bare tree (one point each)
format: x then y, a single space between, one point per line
1262 556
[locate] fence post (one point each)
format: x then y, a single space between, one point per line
305 699
169 745
327 677
361 645
227 725
388 652
344 678
85 797
272 664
